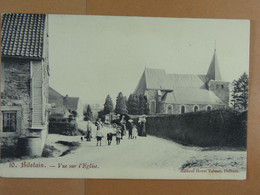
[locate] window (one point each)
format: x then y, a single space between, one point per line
2 77
182 109
208 108
169 109
153 106
196 108
9 121
222 86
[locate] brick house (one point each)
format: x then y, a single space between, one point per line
181 93
24 77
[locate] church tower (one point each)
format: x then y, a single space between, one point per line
213 71
215 83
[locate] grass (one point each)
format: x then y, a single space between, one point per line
72 146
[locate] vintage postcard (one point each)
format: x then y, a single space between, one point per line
123 97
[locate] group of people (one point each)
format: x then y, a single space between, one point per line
118 130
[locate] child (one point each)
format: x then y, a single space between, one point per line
99 136
134 132
109 138
118 135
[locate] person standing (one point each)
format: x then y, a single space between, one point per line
118 135
131 125
99 124
89 132
134 132
142 122
99 134
123 129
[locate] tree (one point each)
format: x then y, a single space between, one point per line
121 101
108 106
88 114
239 95
74 113
147 109
142 104
129 104
135 105
85 109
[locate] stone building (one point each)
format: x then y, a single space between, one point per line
181 93
24 77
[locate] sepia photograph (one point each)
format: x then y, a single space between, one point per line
123 97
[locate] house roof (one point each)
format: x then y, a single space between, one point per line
22 35
71 103
54 95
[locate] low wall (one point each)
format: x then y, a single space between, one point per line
215 128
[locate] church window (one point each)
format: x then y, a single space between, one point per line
169 109
222 86
153 106
196 108
182 109
208 108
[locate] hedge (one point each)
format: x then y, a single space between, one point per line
213 128
63 127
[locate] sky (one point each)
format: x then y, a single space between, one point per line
93 56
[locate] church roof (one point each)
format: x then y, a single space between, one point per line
158 79
192 96
22 35
181 88
186 81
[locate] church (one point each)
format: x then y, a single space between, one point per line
182 93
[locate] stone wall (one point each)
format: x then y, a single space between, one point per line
221 90
161 106
17 88
176 108
152 95
8 146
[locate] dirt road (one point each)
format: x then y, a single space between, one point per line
143 154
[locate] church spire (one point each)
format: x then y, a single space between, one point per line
213 71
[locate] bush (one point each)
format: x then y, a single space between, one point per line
63 127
